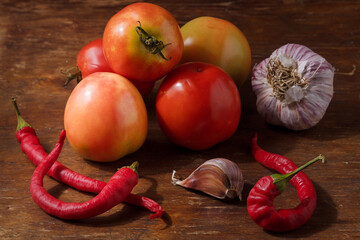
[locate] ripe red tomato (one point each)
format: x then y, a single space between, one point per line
105 117
142 42
198 106
91 59
143 87
219 42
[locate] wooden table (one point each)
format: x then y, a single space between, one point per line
39 39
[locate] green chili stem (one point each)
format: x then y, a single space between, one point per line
21 122
280 180
134 166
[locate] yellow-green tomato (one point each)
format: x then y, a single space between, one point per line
219 42
105 117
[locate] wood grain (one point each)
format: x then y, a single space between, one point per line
39 39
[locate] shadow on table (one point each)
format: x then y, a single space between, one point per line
324 216
127 214
154 157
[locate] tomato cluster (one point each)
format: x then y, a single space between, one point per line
91 59
197 104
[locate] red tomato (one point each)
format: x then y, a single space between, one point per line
91 59
198 106
143 87
142 42
219 42
105 117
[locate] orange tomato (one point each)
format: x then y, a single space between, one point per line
105 117
142 42
219 42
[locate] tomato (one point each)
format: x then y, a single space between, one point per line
219 42
198 106
105 117
91 59
144 88
142 42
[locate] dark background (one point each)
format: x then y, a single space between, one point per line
39 39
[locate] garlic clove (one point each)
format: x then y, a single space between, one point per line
219 177
264 103
294 94
302 66
286 61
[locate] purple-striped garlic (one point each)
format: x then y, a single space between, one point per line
218 177
294 87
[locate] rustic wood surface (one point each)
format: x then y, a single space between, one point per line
40 38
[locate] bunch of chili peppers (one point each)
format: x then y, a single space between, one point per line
109 194
259 203
261 197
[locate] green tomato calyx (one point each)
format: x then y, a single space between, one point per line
151 43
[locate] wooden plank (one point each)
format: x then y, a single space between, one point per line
39 39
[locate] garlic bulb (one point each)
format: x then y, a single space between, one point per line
294 87
218 177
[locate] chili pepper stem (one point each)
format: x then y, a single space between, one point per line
21 122
280 180
134 166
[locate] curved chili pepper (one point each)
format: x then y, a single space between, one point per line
115 191
260 200
31 146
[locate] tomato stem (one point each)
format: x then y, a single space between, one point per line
151 43
72 73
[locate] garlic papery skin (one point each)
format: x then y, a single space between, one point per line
218 177
293 87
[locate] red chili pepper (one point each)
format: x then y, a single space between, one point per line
115 191
260 200
31 146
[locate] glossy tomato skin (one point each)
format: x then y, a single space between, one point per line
105 117
219 42
91 59
128 56
198 106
